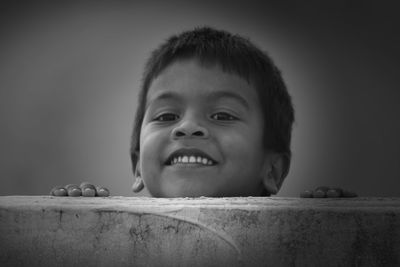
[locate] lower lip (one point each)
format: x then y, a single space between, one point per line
189 165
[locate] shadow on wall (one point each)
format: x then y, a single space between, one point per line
70 73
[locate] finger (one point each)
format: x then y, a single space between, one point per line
334 192
322 188
73 190
102 192
58 191
306 194
88 190
319 193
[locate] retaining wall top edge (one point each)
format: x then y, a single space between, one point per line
247 203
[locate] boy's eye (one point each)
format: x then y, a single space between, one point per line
167 117
223 116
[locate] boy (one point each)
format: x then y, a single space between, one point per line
214 119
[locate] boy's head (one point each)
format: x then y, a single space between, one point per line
214 119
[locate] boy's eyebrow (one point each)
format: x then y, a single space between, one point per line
163 96
213 95
228 94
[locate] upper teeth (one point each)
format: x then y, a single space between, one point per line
191 159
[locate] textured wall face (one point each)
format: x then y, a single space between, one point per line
70 72
117 231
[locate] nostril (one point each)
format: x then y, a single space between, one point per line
189 131
198 133
179 134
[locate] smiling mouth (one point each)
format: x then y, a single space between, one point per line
190 156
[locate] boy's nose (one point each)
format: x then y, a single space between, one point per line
189 128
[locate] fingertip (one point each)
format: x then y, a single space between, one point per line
88 192
87 185
322 188
58 191
319 194
75 192
88 189
333 193
102 192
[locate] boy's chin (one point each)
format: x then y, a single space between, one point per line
176 186
184 192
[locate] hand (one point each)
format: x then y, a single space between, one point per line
85 189
329 192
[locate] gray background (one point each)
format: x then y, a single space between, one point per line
70 72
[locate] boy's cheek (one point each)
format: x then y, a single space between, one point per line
236 142
151 178
147 132
151 141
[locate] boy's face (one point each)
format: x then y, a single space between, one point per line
202 134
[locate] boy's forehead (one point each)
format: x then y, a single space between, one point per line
190 77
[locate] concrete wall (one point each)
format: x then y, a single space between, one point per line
120 231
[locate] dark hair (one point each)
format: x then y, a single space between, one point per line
234 54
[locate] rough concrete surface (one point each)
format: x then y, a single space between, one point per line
127 231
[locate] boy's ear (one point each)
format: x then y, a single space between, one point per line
138 185
275 171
